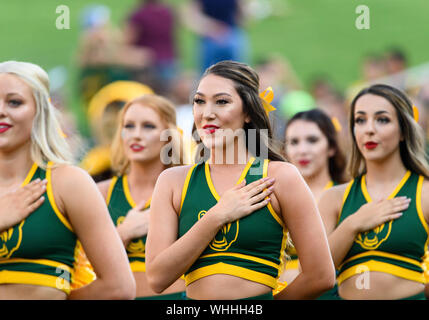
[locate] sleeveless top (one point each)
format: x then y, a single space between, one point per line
251 247
119 202
40 249
396 247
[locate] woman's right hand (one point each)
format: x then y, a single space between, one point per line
135 224
242 199
17 204
374 214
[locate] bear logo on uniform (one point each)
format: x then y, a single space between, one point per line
10 240
226 236
372 239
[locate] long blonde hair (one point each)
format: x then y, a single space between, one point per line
166 110
412 148
47 140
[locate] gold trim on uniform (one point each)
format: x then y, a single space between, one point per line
45 262
30 174
385 255
52 200
392 195
269 206
210 182
111 187
241 256
329 185
419 205
186 185
345 195
35 279
233 271
138 266
378 266
127 192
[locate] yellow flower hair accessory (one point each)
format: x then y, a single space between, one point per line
415 113
336 123
180 131
267 96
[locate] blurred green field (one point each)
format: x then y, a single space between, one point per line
317 36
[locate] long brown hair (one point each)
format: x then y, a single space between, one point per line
412 148
337 162
246 83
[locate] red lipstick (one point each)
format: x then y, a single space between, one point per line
303 162
210 128
4 127
136 147
371 145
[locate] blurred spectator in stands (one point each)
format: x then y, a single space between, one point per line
396 61
180 95
275 71
219 25
152 26
103 55
373 67
396 66
422 103
321 87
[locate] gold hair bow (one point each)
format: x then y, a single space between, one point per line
267 96
336 123
415 113
180 131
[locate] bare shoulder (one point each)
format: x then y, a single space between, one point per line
69 175
336 193
68 182
282 170
330 204
174 175
104 186
170 184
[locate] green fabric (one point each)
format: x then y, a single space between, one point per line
330 294
265 296
419 296
258 234
405 236
41 235
170 296
118 208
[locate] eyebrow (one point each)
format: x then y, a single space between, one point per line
377 113
13 93
216 95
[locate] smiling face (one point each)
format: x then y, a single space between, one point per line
141 133
17 111
307 147
376 127
218 111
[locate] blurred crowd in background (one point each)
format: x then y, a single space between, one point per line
118 64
